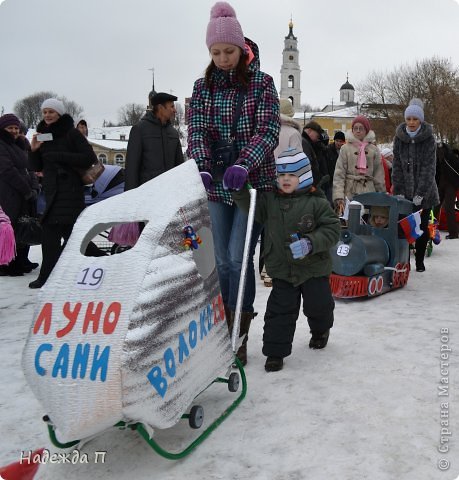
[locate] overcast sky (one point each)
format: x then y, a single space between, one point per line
99 52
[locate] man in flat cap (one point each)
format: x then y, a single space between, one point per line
154 144
315 151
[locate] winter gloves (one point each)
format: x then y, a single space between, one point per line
206 178
301 248
417 200
235 177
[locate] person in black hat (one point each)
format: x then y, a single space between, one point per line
332 153
314 148
154 144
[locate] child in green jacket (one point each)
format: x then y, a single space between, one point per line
300 228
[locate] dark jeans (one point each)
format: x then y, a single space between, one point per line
283 309
229 224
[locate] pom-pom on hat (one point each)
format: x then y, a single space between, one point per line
286 107
363 120
224 27
295 162
8 120
54 104
415 109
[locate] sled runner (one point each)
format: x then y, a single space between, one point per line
130 340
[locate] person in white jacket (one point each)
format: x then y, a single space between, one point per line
290 131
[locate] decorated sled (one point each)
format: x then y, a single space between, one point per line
131 339
369 261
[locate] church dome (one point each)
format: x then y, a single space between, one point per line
347 86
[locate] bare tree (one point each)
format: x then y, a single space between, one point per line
130 114
179 120
435 81
72 108
29 108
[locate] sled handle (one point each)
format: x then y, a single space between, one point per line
242 278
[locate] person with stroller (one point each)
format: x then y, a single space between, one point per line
300 269
61 156
233 87
413 170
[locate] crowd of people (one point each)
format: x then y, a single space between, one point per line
302 182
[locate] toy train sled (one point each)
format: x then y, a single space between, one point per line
370 260
132 339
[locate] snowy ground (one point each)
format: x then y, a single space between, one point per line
366 407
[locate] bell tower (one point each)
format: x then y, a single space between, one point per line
290 70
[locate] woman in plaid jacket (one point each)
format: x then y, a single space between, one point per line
233 71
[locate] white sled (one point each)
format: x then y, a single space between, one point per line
131 339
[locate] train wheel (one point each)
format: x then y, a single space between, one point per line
404 275
397 276
372 286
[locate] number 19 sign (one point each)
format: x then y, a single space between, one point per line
90 278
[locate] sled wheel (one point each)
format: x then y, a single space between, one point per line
196 416
233 382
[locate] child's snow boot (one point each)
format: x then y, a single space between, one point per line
319 340
274 364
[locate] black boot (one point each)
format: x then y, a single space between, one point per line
38 283
319 340
274 364
246 320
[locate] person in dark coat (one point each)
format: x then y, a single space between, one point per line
61 160
448 185
315 151
413 170
16 190
154 144
332 154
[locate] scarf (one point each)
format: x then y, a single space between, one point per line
362 159
413 134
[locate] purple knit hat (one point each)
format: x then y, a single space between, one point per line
9 119
224 27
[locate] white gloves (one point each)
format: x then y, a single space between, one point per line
417 200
